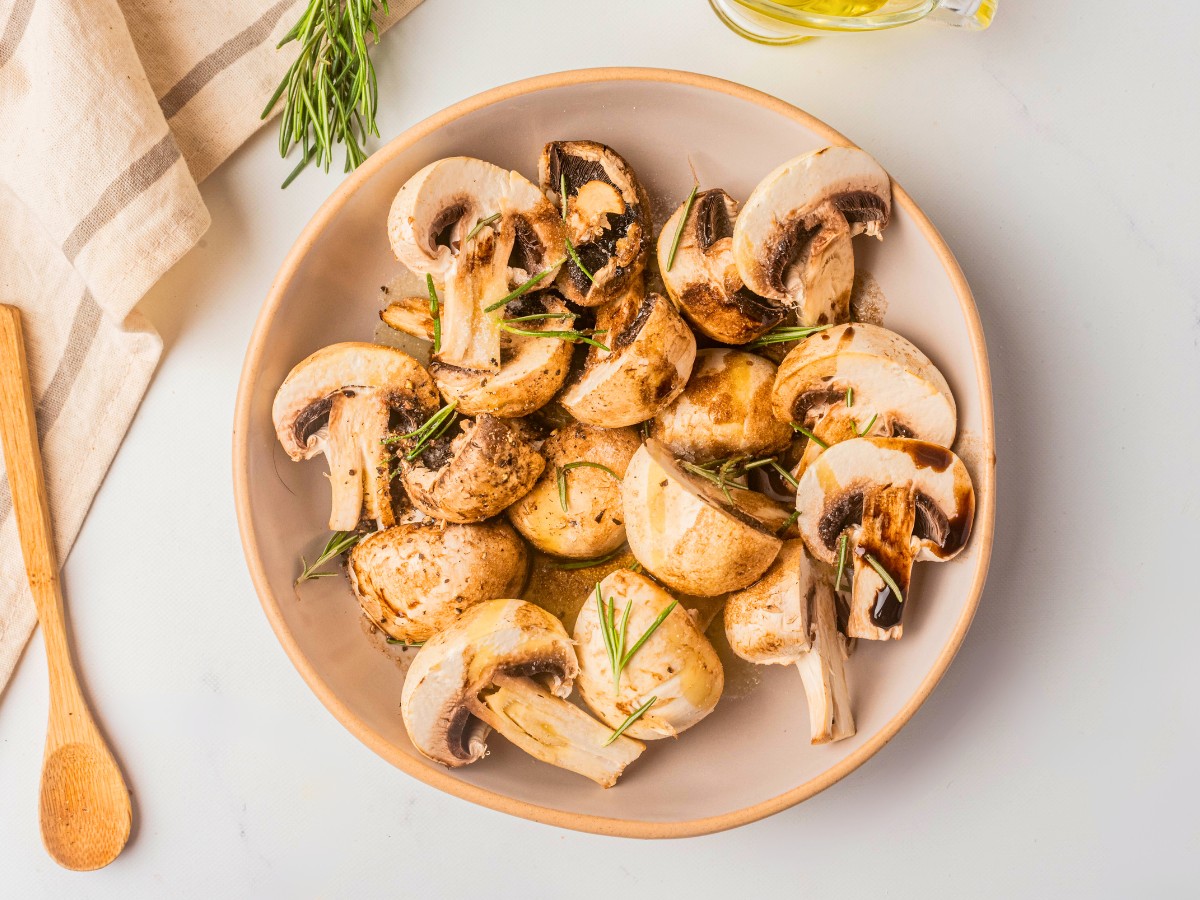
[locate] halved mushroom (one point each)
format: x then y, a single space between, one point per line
675 664
532 369
894 501
474 474
507 665
791 241
343 401
647 363
860 379
688 534
608 219
703 277
724 410
436 227
789 617
591 463
415 579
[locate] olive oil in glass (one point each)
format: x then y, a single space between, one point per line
834 7
790 21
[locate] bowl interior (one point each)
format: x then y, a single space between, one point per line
753 751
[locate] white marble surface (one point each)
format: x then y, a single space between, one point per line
1058 756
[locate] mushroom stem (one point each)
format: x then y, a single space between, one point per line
470 335
553 730
358 422
885 538
823 671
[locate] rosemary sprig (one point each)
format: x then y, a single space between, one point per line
808 434
791 520
562 477
392 640
429 430
562 182
614 635
883 573
781 334
849 396
636 568
524 286
687 208
865 430
843 544
714 477
633 717
478 225
435 311
339 542
588 563
580 336
539 316
330 92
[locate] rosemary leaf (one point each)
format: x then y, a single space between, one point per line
687 208
634 716
339 542
435 311
849 396
808 434
785 474
478 225
783 333
573 336
578 262
562 478
883 573
392 640
523 287
865 430
791 520
843 543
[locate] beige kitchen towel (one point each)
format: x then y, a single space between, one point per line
111 113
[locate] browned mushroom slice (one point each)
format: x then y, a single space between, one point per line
343 401
702 276
507 665
608 219
474 474
649 355
409 315
414 579
689 534
791 241
888 502
478 230
583 519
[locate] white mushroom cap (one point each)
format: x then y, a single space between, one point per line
789 617
414 580
339 402
506 664
676 663
687 535
703 277
649 357
428 225
474 475
897 500
594 522
791 241
532 369
608 219
724 410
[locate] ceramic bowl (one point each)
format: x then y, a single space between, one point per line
751 757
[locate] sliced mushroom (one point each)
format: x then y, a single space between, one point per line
725 409
343 401
608 219
409 315
532 369
688 535
472 475
647 363
791 241
896 500
860 379
703 277
507 665
593 522
675 665
414 580
429 224
789 617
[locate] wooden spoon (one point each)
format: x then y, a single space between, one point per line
85 808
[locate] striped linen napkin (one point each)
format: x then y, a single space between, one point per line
111 113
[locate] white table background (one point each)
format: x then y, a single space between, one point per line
1057 154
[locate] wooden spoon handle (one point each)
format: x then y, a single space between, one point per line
18 434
